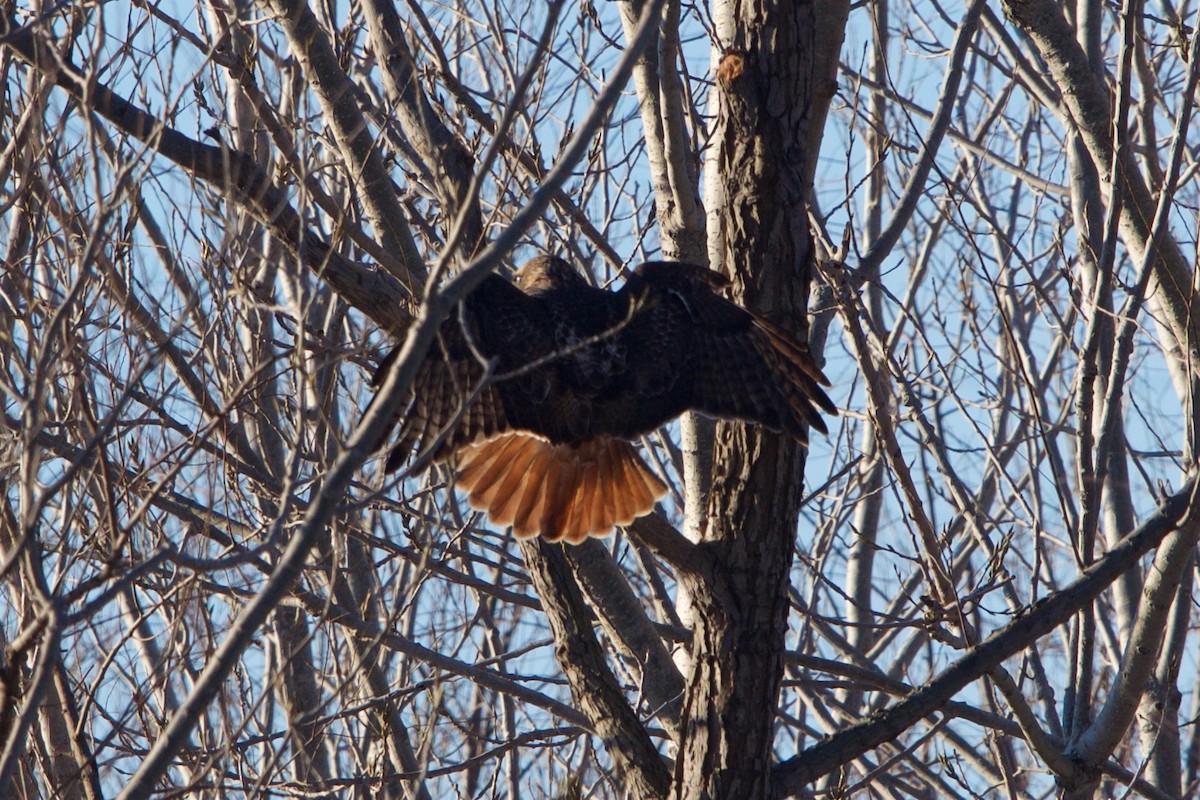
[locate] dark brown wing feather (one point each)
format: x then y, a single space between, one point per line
450 399
694 349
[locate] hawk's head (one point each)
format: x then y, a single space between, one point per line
543 273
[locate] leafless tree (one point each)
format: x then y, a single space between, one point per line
215 219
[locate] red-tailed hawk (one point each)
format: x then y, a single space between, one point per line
576 372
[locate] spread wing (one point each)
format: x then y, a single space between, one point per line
452 405
692 349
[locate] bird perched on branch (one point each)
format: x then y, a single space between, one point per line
534 389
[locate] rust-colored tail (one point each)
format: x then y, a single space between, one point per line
557 491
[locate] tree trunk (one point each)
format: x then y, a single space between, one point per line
770 90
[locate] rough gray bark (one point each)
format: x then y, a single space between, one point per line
761 150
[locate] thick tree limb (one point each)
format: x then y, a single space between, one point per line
623 618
